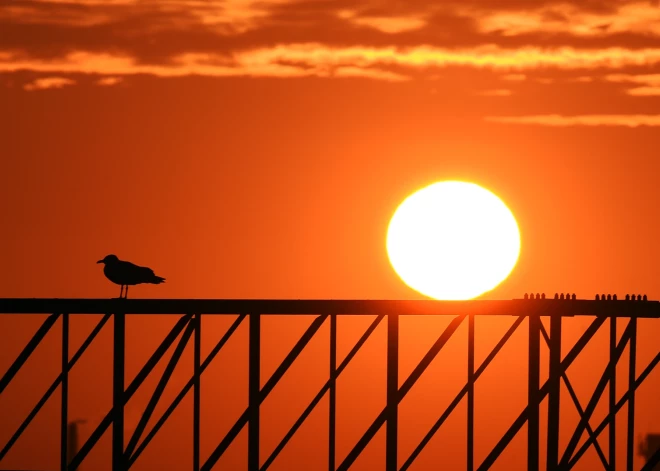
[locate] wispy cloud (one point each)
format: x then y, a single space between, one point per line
66 15
90 2
573 18
221 16
641 17
372 73
314 59
644 91
650 83
582 79
555 43
47 83
239 15
555 120
109 81
496 92
386 24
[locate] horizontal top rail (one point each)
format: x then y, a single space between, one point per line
513 307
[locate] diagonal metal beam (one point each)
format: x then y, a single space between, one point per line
405 387
291 357
158 392
128 393
652 462
578 406
189 385
53 387
321 393
619 405
27 351
268 387
593 402
590 430
491 356
505 338
430 356
522 418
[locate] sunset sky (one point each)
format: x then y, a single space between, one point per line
258 149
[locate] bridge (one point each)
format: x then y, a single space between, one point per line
532 313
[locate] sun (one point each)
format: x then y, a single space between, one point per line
453 240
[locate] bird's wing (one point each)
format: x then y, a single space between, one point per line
146 273
133 273
129 267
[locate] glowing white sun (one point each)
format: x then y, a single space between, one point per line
453 240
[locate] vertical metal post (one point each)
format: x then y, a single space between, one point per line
612 396
392 392
254 388
119 339
332 420
197 388
630 442
554 393
470 395
533 393
64 417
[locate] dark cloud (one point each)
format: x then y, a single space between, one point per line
155 31
224 35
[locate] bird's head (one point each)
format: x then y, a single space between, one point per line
109 259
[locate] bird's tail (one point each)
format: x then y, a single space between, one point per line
156 280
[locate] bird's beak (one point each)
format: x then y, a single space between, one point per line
100 261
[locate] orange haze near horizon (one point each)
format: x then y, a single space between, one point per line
259 149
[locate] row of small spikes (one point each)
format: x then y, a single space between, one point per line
601 297
629 297
557 296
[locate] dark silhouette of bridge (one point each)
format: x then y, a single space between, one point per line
606 309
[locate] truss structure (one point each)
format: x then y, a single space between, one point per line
188 328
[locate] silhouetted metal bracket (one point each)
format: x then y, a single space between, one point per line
189 385
27 351
595 398
127 394
578 407
619 405
459 397
53 387
522 418
327 387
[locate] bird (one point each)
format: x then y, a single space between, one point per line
127 274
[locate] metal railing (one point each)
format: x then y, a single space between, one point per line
190 323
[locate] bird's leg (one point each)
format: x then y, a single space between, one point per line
126 293
121 291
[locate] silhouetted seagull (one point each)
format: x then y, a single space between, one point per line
126 273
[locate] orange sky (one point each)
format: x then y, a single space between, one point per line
257 149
